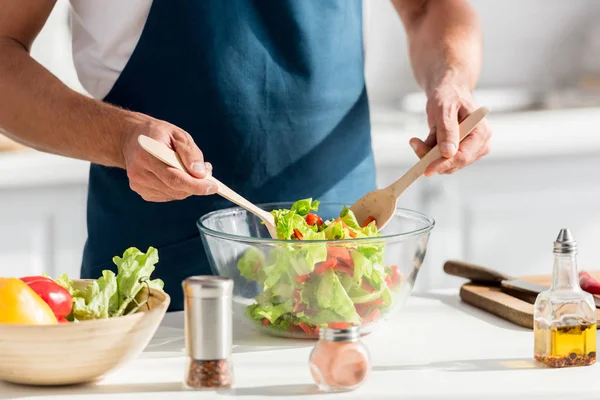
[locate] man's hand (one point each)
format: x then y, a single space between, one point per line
446 107
154 180
444 38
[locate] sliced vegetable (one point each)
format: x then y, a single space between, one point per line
324 266
374 315
368 221
298 235
339 325
310 285
301 278
341 253
312 219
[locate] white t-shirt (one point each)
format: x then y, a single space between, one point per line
105 34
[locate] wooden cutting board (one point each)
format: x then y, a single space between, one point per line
511 306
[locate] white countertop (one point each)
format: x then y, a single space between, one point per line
518 135
435 348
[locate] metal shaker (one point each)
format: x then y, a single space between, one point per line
208 331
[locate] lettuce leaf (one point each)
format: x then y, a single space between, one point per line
349 218
331 295
269 311
114 295
305 206
250 263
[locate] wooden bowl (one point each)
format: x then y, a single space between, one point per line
81 352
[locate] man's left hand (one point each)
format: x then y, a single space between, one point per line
446 107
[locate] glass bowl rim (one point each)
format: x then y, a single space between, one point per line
429 221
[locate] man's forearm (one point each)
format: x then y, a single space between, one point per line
444 41
39 111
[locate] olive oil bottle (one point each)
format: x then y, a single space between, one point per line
564 315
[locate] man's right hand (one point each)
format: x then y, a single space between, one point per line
156 181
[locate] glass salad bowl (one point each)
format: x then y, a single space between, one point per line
338 274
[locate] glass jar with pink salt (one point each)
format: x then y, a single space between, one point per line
339 361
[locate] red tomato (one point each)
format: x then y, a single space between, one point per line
363 308
350 233
368 221
265 322
59 300
298 234
394 277
367 286
339 325
589 283
375 314
312 219
29 279
307 329
63 321
325 265
298 305
302 278
343 269
341 254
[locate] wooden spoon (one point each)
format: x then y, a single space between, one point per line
169 157
381 203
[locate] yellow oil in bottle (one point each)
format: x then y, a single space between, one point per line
565 346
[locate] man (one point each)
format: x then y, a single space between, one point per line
270 95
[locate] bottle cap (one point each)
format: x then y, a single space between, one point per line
350 334
564 243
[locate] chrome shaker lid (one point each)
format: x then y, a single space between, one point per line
564 243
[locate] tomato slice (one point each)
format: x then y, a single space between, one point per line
265 322
298 305
341 254
363 308
298 234
339 325
344 269
325 265
312 219
301 278
375 314
307 329
368 221
394 277
367 286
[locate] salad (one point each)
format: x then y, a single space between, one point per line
41 300
317 284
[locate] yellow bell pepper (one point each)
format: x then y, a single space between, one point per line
19 304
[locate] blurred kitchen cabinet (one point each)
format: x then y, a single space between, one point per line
42 229
505 214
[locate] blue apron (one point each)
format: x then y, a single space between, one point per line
273 93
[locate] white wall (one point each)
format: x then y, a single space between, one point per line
532 43
528 43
